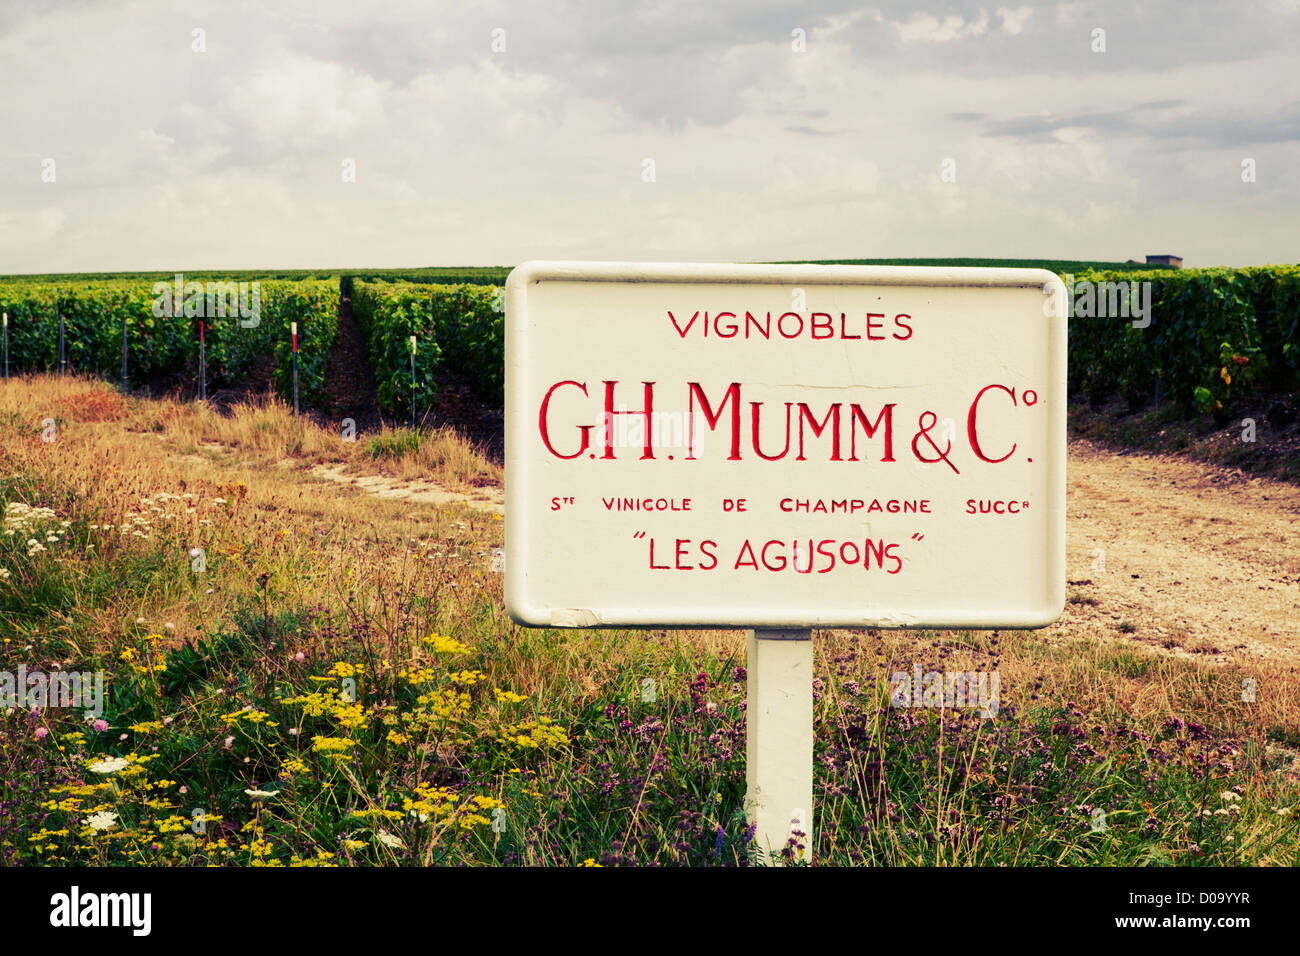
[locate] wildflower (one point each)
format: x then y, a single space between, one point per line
229 742
108 765
102 820
262 794
101 725
41 733
1229 797
388 840
299 657
441 644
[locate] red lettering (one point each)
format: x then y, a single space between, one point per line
754 415
780 325
648 449
544 428
712 418
805 414
971 429
860 417
680 331
821 549
766 564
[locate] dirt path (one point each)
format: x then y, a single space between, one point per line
484 499
1198 559
349 382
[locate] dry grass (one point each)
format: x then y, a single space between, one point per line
301 565
111 452
262 432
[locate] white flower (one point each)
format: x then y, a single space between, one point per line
4 573
262 794
1283 811
108 765
387 839
102 820
1229 797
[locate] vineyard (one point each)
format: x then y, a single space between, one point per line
102 327
1215 336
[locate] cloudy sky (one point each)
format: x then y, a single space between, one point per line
220 135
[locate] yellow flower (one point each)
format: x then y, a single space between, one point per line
293 765
540 734
333 748
441 644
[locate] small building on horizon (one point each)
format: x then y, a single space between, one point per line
1174 261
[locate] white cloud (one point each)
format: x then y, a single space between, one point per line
1013 20
232 158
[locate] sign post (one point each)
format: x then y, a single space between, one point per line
782 448
779 739
293 330
203 363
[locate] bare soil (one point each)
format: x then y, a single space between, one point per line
1198 558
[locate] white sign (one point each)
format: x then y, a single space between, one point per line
784 446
